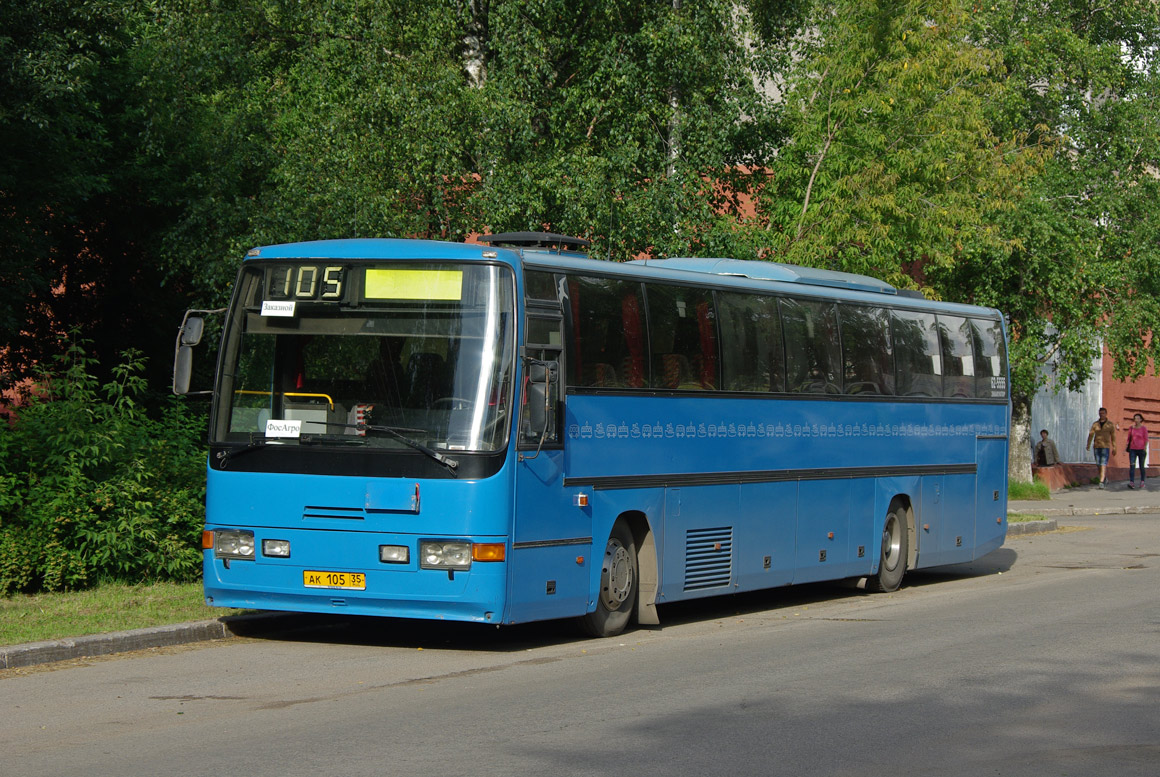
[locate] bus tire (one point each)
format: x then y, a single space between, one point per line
619 586
892 563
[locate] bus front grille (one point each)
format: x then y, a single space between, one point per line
708 558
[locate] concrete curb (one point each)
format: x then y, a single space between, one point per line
1071 511
1031 527
34 653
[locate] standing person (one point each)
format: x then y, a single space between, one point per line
1046 454
1137 449
1103 434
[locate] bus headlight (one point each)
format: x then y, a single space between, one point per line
233 543
276 548
394 554
445 555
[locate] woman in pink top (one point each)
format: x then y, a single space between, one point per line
1137 449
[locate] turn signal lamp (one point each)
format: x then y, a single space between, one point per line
207 540
488 551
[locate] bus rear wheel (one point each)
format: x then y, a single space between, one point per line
619 584
892 564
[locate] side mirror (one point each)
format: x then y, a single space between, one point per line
182 369
189 335
191 330
541 379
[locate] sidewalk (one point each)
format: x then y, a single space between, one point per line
1116 499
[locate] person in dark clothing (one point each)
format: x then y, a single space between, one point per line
1046 454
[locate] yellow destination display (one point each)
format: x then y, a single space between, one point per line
387 283
353 581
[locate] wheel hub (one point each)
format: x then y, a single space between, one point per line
616 575
891 543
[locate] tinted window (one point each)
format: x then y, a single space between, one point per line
917 357
867 356
752 352
812 353
540 286
606 345
990 359
958 362
682 337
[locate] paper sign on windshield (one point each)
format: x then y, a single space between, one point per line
277 428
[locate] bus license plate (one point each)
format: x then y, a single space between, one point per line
353 581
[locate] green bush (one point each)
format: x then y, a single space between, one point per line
93 488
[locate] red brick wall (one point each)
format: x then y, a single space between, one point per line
1123 400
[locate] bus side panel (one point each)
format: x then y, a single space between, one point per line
823 549
958 525
767 541
702 530
929 517
864 537
991 529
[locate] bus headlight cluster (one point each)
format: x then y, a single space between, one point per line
445 555
233 543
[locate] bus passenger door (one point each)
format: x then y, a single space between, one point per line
552 532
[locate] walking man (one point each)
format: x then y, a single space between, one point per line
1103 434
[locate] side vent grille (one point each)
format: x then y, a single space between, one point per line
708 558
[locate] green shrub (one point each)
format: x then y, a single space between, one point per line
95 488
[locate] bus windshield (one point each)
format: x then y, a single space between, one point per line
369 354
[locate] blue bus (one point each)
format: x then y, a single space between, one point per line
511 431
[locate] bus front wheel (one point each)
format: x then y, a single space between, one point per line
892 564
619 577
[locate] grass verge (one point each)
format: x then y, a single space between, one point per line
111 607
1022 517
1022 491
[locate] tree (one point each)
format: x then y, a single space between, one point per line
1005 155
1082 275
892 168
77 222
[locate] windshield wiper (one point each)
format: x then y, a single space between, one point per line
255 442
451 464
397 433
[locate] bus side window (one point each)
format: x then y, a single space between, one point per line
917 356
813 358
867 356
752 351
682 337
990 359
958 362
606 342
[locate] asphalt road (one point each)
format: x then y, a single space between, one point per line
1041 659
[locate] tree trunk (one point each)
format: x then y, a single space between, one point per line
475 43
1019 455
